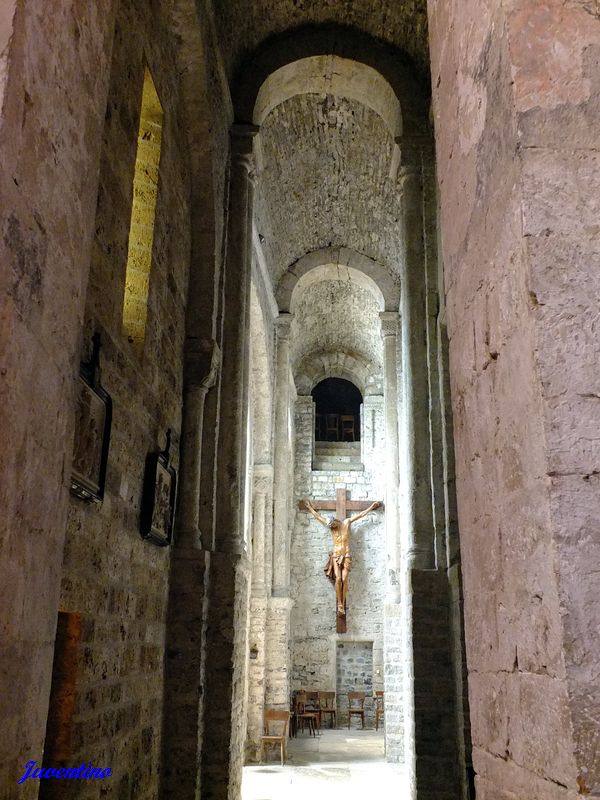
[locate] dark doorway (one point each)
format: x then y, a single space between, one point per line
337 417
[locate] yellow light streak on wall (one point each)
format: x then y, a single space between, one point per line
143 213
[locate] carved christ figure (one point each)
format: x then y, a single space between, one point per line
339 562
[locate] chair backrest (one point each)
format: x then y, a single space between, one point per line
312 699
331 422
327 700
379 700
356 699
300 702
276 715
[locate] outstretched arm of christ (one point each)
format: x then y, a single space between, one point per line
316 515
368 510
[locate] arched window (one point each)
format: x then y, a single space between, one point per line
337 417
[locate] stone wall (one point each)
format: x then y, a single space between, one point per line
52 104
313 635
312 141
517 134
354 673
114 579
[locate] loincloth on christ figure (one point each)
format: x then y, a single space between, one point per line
343 561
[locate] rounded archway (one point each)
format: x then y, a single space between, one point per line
337 413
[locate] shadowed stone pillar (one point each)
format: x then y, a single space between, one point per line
234 380
202 362
190 562
261 517
226 669
415 400
281 545
429 703
263 491
392 641
389 333
277 674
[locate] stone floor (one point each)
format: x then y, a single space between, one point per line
338 764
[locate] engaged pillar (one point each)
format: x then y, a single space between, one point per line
418 515
234 382
389 333
281 545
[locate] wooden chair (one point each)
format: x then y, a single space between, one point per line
356 707
378 708
282 718
347 422
312 704
327 707
304 715
331 427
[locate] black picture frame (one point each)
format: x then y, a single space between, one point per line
159 496
93 422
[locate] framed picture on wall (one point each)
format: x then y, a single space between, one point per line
158 497
93 420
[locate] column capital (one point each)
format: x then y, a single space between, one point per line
415 152
242 145
389 323
262 476
202 363
283 326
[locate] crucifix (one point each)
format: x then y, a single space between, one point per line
339 562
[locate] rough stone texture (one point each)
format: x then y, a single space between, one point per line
431 688
277 673
226 670
336 317
242 28
256 677
519 187
185 660
52 102
111 576
394 677
354 673
313 141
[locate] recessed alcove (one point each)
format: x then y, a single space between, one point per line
337 411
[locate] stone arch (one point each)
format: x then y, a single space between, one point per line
336 272
366 271
342 41
330 74
353 367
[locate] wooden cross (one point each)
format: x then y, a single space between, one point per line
341 505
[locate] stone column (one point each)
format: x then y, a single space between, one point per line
281 545
419 536
230 574
202 362
188 586
428 688
392 627
263 487
262 512
234 381
389 333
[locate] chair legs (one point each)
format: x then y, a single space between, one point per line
356 714
282 751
